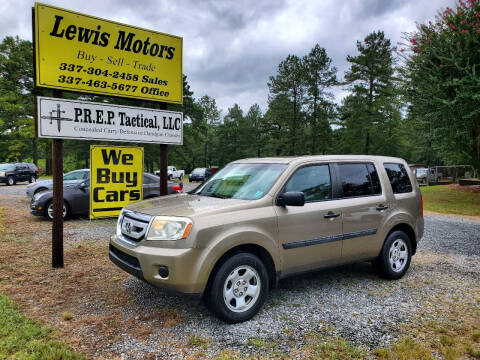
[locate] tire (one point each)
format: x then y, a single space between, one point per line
11 181
394 260
49 211
169 177
238 289
32 179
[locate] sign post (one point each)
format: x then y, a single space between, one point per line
57 204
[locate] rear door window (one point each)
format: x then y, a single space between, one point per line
313 181
355 180
397 174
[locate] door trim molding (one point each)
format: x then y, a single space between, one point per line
327 239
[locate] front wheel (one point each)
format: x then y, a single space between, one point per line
32 179
239 288
394 260
49 211
10 181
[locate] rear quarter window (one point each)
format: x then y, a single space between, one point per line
398 176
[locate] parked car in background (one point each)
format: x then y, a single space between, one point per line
77 196
12 173
200 174
71 178
173 173
422 173
259 220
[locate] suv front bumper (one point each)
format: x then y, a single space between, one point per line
145 263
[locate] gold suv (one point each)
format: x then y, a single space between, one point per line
259 220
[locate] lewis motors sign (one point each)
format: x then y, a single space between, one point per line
73 119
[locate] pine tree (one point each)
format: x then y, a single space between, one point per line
371 80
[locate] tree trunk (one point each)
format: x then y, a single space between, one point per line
205 153
294 124
35 151
367 142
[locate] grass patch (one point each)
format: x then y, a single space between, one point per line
332 349
259 343
20 338
445 199
404 349
195 340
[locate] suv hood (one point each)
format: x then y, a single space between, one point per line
187 205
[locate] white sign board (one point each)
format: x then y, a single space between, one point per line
83 120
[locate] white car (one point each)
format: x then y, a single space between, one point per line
173 173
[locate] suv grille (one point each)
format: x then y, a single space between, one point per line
134 226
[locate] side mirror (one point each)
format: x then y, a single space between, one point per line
291 198
83 185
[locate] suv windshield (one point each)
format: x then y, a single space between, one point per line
242 181
6 167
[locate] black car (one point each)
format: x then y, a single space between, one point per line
77 197
200 174
12 173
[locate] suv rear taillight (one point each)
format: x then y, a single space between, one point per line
421 204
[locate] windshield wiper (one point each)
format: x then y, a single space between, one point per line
214 195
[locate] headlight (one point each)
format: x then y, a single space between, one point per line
119 223
169 228
2 173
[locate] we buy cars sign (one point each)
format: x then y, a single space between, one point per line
116 179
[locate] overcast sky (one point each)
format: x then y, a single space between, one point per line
232 47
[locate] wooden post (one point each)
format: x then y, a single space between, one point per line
57 202
163 169
163 161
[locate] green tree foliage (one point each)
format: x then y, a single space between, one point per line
442 66
16 100
371 81
320 76
290 82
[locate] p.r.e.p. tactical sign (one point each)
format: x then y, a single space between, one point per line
83 53
73 119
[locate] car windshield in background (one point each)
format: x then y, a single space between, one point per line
6 167
198 171
421 172
75 175
242 181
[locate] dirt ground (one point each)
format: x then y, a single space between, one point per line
93 305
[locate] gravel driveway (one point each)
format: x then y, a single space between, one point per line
349 301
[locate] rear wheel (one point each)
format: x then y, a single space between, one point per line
10 181
394 260
32 179
239 288
49 211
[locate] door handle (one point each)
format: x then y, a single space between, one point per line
331 215
381 207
